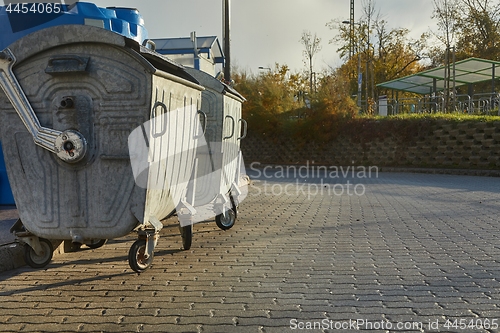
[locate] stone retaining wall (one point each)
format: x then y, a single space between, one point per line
442 144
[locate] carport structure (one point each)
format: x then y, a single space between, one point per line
431 82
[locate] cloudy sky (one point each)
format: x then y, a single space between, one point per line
268 31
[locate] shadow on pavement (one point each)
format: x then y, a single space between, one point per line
69 282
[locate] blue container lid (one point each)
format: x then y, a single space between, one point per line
17 21
131 15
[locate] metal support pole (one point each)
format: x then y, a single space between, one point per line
366 67
447 77
360 81
227 39
454 79
196 59
493 68
434 88
470 92
351 31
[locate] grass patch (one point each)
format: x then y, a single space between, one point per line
452 117
323 128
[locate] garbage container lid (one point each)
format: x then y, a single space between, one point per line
17 21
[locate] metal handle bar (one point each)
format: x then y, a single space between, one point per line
162 116
70 146
245 129
67 63
204 126
232 131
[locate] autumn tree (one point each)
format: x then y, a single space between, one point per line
331 109
312 47
472 26
447 15
270 95
383 53
397 54
479 29
466 28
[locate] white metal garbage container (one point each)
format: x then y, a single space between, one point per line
71 97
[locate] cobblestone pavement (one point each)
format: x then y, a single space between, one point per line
401 252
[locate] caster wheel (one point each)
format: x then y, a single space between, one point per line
187 236
96 243
137 256
234 207
39 261
226 220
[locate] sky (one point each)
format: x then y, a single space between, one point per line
265 32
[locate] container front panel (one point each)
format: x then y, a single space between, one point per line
173 138
107 100
230 142
209 158
217 161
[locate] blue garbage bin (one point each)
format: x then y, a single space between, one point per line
14 25
6 197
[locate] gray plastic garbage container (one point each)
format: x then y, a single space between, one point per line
214 190
71 97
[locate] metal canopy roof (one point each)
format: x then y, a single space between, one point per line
209 45
468 71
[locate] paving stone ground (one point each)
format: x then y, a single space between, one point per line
405 253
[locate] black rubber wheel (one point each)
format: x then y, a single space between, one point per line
96 243
226 220
38 261
75 247
187 236
233 205
136 256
